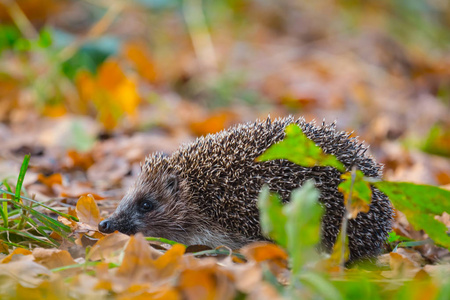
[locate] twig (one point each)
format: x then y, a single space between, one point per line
20 19
98 29
199 33
345 221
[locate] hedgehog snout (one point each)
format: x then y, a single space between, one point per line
106 226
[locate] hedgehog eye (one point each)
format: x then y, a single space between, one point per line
146 206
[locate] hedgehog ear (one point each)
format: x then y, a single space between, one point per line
172 183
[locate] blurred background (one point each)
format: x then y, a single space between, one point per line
90 87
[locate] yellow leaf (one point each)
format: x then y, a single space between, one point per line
169 262
87 211
16 251
127 97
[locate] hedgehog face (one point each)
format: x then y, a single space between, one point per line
153 207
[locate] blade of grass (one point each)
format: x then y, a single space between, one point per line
220 251
55 225
14 244
4 211
67 216
28 235
162 240
23 171
8 187
83 265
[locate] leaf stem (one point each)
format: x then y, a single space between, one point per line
345 220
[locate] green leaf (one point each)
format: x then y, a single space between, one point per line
361 193
420 204
298 148
37 203
303 225
394 237
23 170
438 140
45 38
321 285
272 218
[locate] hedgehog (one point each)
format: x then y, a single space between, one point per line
206 192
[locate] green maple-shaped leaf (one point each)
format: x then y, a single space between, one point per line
420 204
299 149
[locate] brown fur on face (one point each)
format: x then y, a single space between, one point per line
174 217
206 192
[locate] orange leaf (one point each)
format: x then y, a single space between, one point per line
161 294
110 75
262 251
87 211
49 181
214 123
206 282
169 261
54 111
80 160
138 257
143 62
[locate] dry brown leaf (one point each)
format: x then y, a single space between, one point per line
24 271
247 276
52 258
108 247
404 263
138 265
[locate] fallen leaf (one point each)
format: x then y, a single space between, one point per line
142 60
17 251
87 211
52 258
109 247
212 124
50 180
